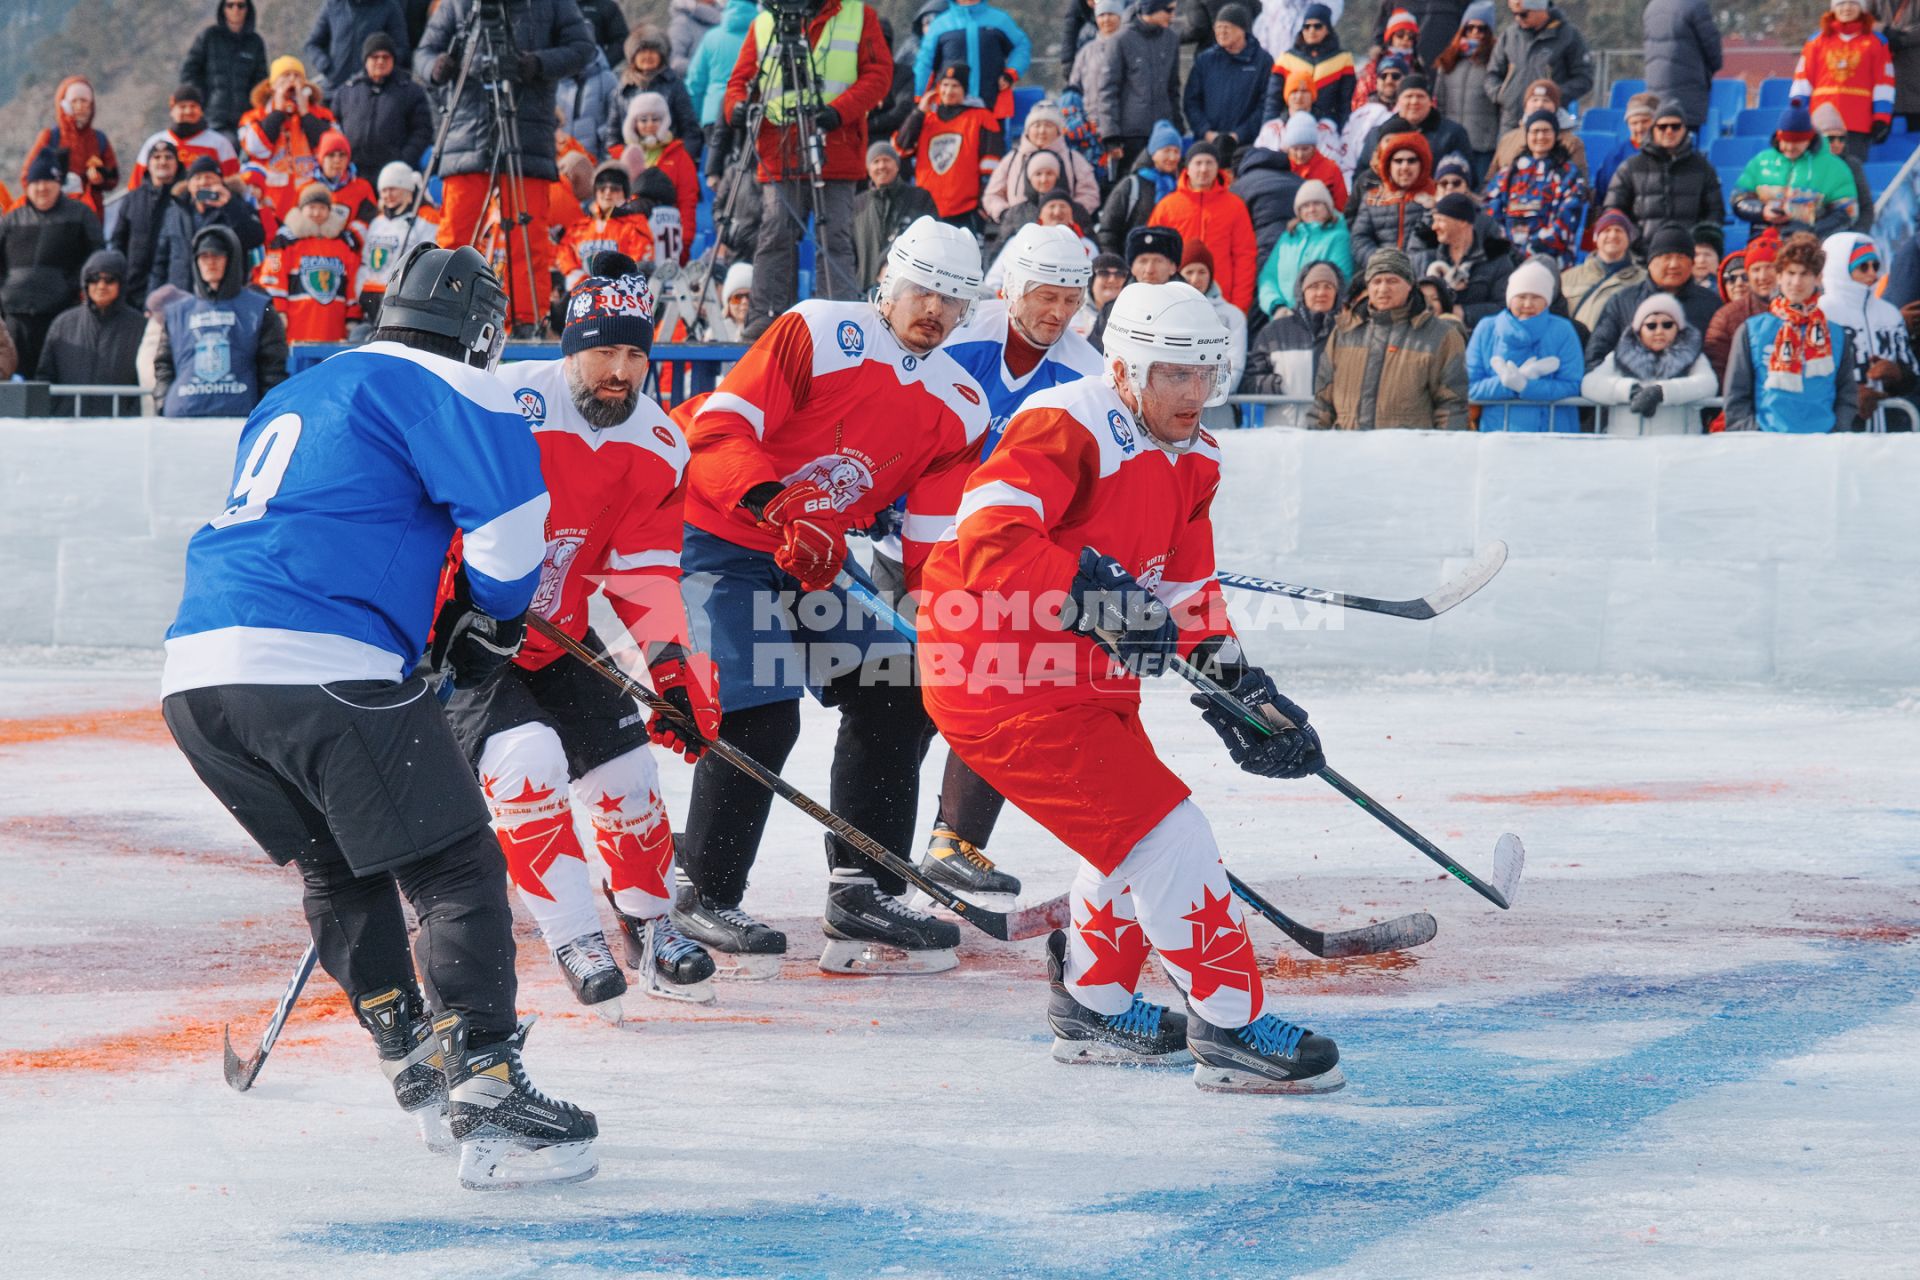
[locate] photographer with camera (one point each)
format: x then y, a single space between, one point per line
852 71
500 129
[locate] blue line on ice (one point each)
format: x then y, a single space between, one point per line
1474 1119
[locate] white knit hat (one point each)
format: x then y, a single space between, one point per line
398 173
739 280
1311 190
1659 304
1301 130
1530 277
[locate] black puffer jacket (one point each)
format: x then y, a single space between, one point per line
136 234
1683 54
1266 185
384 122
1479 280
89 344
552 31
1661 185
225 66
41 255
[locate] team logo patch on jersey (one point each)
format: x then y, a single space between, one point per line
533 406
845 479
1122 430
852 339
553 574
968 393
664 436
1152 573
943 151
910 363
321 278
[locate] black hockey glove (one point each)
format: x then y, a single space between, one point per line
468 645
1880 131
1292 752
1123 616
827 119
738 119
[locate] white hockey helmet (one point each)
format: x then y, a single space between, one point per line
938 256
1045 255
1167 324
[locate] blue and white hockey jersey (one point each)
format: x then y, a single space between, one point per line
349 482
980 346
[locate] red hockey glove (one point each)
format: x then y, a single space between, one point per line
690 683
814 533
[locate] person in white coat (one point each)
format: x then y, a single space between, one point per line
1883 363
1656 375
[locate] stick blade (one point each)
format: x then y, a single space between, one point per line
1040 918
1509 860
1477 575
1398 934
240 1072
991 923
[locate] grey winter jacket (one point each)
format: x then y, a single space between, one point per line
552 31
1683 54
1556 52
689 22
1142 82
1091 67
1461 96
341 27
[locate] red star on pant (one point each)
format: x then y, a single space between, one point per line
532 847
1213 914
1103 920
638 860
529 794
609 804
1115 959
1221 955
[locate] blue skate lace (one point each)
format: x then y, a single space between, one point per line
1270 1036
1143 1019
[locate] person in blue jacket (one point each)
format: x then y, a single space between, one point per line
1790 370
1226 92
1524 355
980 36
291 687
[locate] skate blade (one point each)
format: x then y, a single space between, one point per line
1227 1080
608 1011
502 1164
435 1131
1079 1053
700 992
737 967
845 956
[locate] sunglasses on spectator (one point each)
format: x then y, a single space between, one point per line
1119 272
1313 26
1871 264
1834 137
1659 324
1674 127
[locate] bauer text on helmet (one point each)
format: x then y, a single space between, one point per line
933 276
1167 353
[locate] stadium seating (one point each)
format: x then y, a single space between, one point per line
1774 91
1024 99
1880 175
1734 152
1895 149
1603 120
1755 122
1729 98
1624 89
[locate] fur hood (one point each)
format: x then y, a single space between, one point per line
298 224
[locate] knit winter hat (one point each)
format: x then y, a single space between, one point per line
1863 251
1163 135
1236 14
203 164
1201 148
1117 8
1301 130
162 144
1322 268
317 193
739 280
1547 87
614 174
1480 11
880 148
284 63
1670 238
398 173
186 93
1318 13
1543 117
1453 165
1534 6
1393 62
1457 205
376 42
1709 233
1197 252
1390 262
1109 262
1615 218
1297 79
1046 110
1827 119
608 311
331 141
46 167
955 71
1146 7
1532 277
1401 20
1641 106
1796 123
1764 248
1164 241
1659 304
1311 190
1670 109
1416 82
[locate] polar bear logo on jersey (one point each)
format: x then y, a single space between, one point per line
846 480
1150 576
943 151
553 573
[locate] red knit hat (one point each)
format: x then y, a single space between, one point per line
1197 252
331 141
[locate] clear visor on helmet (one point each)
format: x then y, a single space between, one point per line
914 296
1205 383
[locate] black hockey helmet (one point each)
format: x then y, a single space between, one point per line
452 293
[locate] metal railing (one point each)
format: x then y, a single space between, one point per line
1259 403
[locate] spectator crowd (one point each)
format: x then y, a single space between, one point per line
1414 232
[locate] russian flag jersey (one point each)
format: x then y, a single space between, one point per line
349 483
980 347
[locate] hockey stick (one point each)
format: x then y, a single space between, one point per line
1434 603
1388 935
241 1074
991 923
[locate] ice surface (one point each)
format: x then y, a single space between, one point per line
1686 1051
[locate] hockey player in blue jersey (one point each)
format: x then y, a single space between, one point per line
1014 347
291 685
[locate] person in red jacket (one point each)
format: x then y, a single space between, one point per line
311 269
650 144
956 145
1202 209
350 191
613 223
548 736
1851 67
86 159
837 30
1080 560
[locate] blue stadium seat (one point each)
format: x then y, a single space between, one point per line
1755 122
1900 124
1716 126
1603 120
1895 149
1880 175
1024 99
1774 91
1733 153
1622 90
1738 233
1729 97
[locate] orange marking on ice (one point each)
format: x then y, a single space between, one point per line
1348 976
195 1036
1645 793
142 724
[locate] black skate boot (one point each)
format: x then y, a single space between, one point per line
1146 1033
954 864
592 973
410 1058
1268 1055
740 946
671 966
510 1134
870 931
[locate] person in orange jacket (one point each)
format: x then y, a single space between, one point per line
1201 208
88 166
650 144
312 267
281 135
613 222
338 175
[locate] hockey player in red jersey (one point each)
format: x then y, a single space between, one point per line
546 734
836 411
1080 558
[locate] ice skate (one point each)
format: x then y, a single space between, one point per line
869 931
510 1134
1147 1033
738 945
1268 1055
672 966
410 1059
964 868
593 974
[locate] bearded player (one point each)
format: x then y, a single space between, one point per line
1099 494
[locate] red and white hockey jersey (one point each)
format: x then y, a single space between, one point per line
827 394
618 498
1071 471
